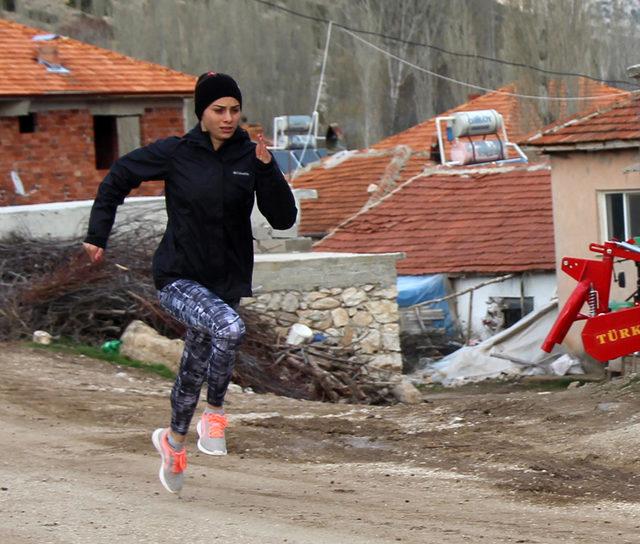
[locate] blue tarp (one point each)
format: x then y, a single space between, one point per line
415 289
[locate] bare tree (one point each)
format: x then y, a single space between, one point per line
369 71
406 19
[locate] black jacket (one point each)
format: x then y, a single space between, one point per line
209 196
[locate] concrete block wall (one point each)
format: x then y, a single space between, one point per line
350 299
69 220
56 163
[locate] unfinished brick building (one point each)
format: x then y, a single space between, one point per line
68 109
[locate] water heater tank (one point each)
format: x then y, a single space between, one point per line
474 123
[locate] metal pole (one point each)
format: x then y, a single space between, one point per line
469 316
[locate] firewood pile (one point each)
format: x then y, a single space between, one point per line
314 371
51 286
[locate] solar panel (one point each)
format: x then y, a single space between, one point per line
310 156
286 160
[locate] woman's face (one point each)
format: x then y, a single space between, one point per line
221 119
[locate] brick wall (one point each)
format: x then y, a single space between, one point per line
57 162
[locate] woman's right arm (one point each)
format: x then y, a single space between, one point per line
146 163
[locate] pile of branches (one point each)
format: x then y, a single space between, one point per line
52 286
317 371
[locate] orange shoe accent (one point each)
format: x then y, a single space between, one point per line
216 424
179 461
176 460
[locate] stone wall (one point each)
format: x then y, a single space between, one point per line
346 299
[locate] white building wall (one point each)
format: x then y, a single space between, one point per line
68 220
541 286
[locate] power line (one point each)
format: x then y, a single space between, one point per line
316 103
437 48
478 87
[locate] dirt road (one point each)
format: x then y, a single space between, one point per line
489 464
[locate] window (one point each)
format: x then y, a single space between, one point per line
8 5
27 123
502 312
622 215
105 136
513 311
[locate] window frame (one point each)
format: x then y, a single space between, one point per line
604 216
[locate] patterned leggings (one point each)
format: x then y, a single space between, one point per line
214 331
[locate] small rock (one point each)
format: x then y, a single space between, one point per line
573 385
407 393
141 342
42 337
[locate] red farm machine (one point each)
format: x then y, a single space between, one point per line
608 333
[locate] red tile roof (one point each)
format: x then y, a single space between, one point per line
619 122
92 70
342 190
482 220
343 185
520 116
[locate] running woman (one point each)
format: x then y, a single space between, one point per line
204 262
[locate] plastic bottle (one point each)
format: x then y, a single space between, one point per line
111 346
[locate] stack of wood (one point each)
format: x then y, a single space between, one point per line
51 286
314 371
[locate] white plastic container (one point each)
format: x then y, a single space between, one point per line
299 334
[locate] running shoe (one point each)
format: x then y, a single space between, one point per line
211 433
173 463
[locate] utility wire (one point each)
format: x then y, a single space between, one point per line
440 49
479 87
317 102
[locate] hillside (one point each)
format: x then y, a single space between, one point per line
276 55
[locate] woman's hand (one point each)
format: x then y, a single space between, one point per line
96 254
262 154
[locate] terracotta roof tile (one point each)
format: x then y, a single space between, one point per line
519 115
93 70
481 220
343 188
620 121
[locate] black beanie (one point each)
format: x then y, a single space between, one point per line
211 86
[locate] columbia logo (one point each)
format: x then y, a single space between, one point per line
241 173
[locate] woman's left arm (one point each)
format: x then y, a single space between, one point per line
274 196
